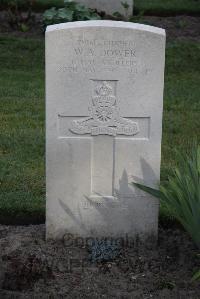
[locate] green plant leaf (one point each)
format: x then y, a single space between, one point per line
81 8
125 5
71 12
50 13
24 27
198 159
70 4
196 276
181 194
153 192
64 15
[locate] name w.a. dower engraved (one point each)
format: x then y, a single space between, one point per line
104 116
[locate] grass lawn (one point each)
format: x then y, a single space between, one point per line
167 7
22 128
22 138
159 7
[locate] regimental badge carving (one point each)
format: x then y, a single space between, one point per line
104 116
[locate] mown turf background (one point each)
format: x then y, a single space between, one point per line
22 129
152 7
167 7
22 197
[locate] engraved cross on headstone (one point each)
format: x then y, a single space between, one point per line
103 125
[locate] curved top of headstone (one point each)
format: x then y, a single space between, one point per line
106 23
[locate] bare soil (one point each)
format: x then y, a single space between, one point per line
30 267
177 27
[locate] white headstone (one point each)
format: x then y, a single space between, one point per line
110 6
104 99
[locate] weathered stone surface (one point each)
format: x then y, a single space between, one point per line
109 6
104 99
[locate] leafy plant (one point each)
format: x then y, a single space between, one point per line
196 276
118 15
181 194
72 11
126 8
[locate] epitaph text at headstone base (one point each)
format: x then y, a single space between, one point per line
104 98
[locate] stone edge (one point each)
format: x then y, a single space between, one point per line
111 24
